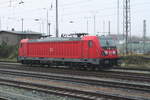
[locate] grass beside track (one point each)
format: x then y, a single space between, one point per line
135 61
8 60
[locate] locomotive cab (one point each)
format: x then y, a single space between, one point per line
108 51
22 49
101 50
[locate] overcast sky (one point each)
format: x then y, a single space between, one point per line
75 11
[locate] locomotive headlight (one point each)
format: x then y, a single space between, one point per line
106 52
113 52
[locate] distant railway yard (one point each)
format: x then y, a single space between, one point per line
74 50
85 67
20 82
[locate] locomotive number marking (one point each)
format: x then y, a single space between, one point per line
51 49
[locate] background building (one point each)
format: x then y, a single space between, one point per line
14 37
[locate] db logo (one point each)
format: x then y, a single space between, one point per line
51 49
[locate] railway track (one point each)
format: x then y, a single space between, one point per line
85 95
132 69
3 98
143 76
89 78
80 80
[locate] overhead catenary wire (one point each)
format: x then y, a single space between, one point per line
76 3
69 13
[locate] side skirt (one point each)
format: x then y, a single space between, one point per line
62 60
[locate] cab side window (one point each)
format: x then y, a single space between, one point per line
21 45
90 43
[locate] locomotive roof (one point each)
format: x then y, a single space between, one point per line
54 39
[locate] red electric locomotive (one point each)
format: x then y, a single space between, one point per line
86 52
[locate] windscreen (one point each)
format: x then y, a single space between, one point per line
107 42
111 42
103 42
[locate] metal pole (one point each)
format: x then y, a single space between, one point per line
144 34
47 21
57 29
42 26
118 27
87 26
22 23
104 27
109 28
10 3
94 25
126 26
49 32
127 23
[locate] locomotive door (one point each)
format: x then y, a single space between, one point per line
24 49
85 49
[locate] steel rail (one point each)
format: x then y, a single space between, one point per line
85 95
124 75
81 80
111 74
117 67
1 98
123 70
131 69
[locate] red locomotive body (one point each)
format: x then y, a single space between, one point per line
88 51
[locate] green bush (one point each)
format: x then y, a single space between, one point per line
7 51
138 61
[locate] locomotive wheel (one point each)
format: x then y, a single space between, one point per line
90 68
49 65
82 68
29 65
72 67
